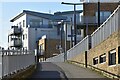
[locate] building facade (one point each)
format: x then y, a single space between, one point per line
29 26
49 47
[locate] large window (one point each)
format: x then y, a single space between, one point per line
112 57
36 23
103 58
95 60
103 15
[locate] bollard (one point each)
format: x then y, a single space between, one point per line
86 59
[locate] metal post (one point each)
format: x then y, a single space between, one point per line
86 19
71 35
65 53
61 34
98 13
86 59
2 63
75 27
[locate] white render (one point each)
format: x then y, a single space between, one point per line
34 34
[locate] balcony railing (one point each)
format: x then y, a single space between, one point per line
15 43
91 20
15 30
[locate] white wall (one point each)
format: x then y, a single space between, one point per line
20 20
33 35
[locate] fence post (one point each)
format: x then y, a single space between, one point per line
86 59
2 63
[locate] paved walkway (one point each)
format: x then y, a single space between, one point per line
73 71
66 71
49 71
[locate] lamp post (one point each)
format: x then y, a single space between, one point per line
75 27
64 24
98 13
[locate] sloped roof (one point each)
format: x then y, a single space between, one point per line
43 15
67 12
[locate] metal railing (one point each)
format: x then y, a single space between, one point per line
91 19
107 28
110 26
15 42
12 61
81 47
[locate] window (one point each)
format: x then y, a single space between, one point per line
26 36
103 58
79 31
20 25
95 60
23 36
119 54
112 57
36 23
23 23
103 15
50 24
58 30
41 49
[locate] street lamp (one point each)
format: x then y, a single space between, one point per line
98 13
74 18
64 24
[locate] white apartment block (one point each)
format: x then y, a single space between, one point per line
29 26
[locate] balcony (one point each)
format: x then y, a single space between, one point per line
15 42
15 30
91 20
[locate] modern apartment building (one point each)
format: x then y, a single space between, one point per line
29 26
70 25
89 20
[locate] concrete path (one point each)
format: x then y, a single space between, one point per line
73 71
49 71
66 71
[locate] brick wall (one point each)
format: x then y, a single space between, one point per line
50 46
112 42
89 9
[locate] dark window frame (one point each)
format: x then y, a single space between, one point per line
102 58
95 60
112 57
23 23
